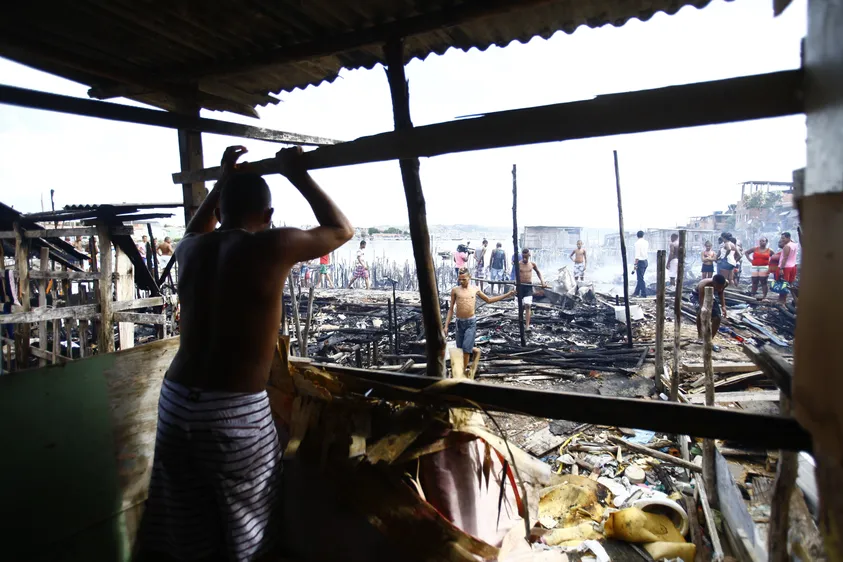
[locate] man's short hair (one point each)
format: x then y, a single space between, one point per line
674 236
499 244
525 251
485 241
719 279
463 271
362 243
640 234
786 234
244 195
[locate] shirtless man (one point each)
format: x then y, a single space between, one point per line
709 256
463 297
216 474
580 258
525 274
719 305
165 251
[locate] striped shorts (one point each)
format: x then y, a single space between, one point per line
215 478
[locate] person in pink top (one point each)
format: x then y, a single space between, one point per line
787 262
460 258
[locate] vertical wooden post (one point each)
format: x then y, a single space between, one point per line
782 491
22 331
105 339
623 253
83 324
709 455
191 158
154 249
660 275
517 258
308 321
69 323
419 234
677 318
57 323
818 361
42 303
124 280
296 320
389 325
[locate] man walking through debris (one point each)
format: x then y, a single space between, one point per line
760 257
580 258
463 298
497 263
324 273
361 268
673 259
787 263
642 249
480 259
719 305
525 274
216 472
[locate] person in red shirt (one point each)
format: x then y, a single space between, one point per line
760 257
324 275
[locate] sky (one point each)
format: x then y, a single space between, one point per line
666 176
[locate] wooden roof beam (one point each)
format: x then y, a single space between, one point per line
117 112
707 103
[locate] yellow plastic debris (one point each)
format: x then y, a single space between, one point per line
634 525
572 536
671 550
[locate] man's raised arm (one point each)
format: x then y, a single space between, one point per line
205 218
334 228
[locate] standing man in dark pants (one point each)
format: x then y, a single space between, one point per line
642 249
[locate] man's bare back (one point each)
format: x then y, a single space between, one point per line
231 285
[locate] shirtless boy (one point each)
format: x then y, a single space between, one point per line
217 465
463 298
580 258
719 283
525 274
709 256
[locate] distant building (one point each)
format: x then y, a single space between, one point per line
551 237
765 208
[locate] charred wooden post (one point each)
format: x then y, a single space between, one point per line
57 323
296 321
660 275
124 281
22 331
42 303
709 453
783 487
309 320
105 337
389 328
517 256
191 158
677 318
623 254
428 291
154 254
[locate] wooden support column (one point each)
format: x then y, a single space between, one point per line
783 488
416 209
677 318
105 337
124 281
660 275
517 257
191 158
22 331
709 453
623 254
42 303
818 362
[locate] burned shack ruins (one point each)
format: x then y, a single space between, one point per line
601 437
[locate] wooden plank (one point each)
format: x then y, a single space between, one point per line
623 254
139 318
170 120
417 214
729 381
677 317
22 333
124 285
87 311
708 444
542 442
62 232
655 454
42 303
70 275
742 396
721 367
710 524
46 355
706 103
119 306
105 337
660 288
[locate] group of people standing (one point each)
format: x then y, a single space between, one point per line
164 250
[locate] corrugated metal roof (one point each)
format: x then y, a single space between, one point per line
240 54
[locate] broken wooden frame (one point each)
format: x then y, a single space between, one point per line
104 311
